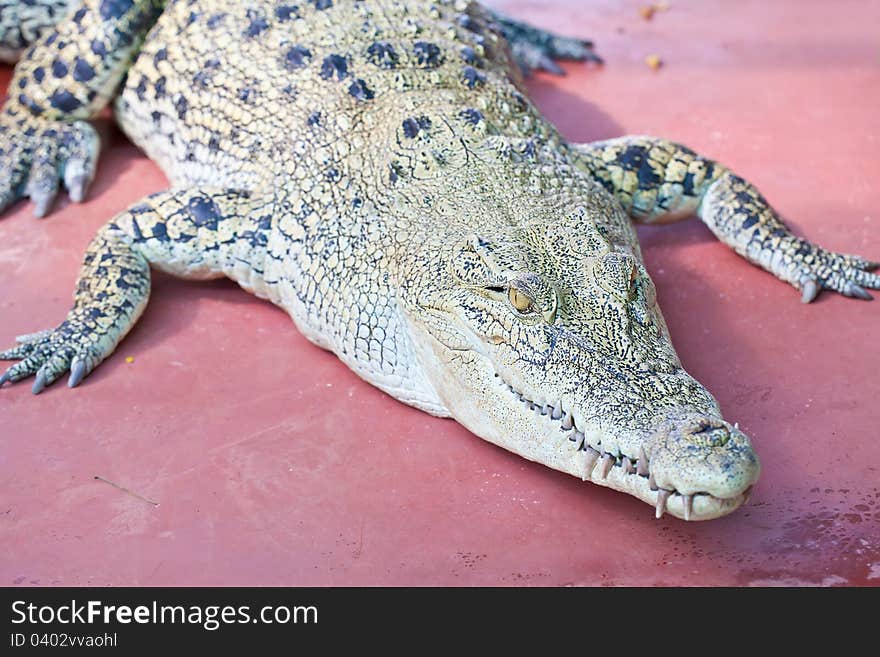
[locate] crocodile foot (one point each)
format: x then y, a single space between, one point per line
535 49
36 156
847 274
49 354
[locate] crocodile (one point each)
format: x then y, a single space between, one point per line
376 169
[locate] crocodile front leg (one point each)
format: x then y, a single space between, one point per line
190 233
65 78
659 181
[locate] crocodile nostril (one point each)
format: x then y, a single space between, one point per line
709 435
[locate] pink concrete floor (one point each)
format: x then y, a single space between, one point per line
274 465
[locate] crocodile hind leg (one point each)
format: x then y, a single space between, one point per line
22 22
66 77
659 181
535 49
191 233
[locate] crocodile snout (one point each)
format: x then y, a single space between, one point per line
702 455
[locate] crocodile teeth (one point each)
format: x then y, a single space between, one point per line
606 465
591 457
688 502
642 465
662 496
568 421
578 438
652 484
557 413
628 467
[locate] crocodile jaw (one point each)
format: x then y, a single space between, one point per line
478 397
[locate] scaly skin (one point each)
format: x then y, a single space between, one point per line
375 169
22 23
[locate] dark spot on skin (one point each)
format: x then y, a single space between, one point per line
246 94
647 176
257 25
64 101
49 41
82 70
213 144
470 56
529 150
157 117
202 78
333 175
160 87
79 15
360 90
286 12
215 20
382 54
392 175
161 55
687 185
289 91
750 221
22 83
193 17
39 73
743 197
472 77
320 5
160 232
334 64
181 105
297 57
468 23
427 54
32 107
59 68
314 118
204 212
114 8
410 128
471 116
357 202
141 89
98 47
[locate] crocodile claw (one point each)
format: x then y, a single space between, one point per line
33 155
847 274
535 49
810 291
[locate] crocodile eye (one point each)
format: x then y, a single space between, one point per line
519 300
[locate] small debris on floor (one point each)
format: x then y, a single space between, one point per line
647 11
654 62
129 359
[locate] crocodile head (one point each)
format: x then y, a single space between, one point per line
547 340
